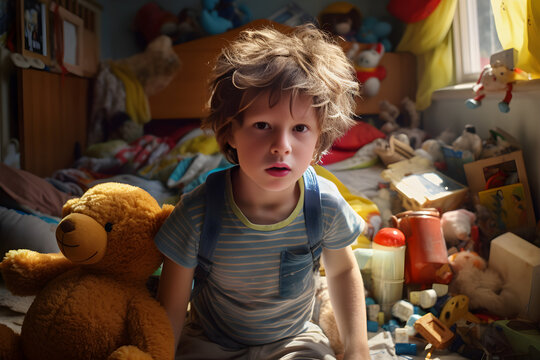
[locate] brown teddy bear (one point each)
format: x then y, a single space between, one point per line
91 300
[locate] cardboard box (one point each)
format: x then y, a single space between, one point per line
518 262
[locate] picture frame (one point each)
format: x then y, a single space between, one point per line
488 177
68 40
33 29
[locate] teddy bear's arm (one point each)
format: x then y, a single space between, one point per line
149 327
25 272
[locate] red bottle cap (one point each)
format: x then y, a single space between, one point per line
390 237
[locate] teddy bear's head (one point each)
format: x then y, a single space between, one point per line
111 229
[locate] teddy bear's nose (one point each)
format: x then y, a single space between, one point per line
67 226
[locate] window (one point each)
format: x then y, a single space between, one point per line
475 38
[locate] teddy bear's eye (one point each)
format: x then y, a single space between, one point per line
108 227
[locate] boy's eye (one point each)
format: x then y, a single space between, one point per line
261 125
300 128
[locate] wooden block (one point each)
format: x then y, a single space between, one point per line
434 331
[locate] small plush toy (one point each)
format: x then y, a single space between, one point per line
91 300
218 16
470 141
341 18
483 286
368 71
373 31
458 228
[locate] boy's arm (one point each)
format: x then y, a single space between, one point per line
346 290
174 292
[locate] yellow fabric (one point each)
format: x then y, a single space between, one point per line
205 144
517 23
431 41
363 207
137 106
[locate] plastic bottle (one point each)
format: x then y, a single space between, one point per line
387 267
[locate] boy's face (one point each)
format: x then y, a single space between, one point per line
276 145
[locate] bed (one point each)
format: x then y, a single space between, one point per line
172 156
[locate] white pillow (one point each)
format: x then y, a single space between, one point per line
24 231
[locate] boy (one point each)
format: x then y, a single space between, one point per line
277 103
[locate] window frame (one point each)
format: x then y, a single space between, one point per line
466 42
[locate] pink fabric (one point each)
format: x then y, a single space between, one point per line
32 191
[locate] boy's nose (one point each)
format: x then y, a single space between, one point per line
281 143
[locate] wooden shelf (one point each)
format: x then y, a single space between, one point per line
186 95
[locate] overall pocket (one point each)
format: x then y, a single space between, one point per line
295 271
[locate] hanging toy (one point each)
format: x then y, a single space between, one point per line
499 75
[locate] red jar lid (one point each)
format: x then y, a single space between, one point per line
389 237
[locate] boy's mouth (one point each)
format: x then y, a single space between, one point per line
279 170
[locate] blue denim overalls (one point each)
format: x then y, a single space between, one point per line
294 264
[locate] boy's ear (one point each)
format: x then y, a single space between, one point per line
231 142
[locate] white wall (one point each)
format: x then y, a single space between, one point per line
448 111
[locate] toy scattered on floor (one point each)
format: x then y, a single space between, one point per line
469 141
459 229
434 331
482 285
341 18
402 120
456 309
388 267
91 300
427 258
425 298
368 69
499 74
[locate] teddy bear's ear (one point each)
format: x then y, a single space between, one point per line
166 210
66 209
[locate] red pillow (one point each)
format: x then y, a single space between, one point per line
359 135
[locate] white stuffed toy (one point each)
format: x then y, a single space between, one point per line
457 226
368 71
483 286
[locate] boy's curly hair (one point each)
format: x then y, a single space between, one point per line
305 61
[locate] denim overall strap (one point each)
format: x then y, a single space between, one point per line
215 201
313 215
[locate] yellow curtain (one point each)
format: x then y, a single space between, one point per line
431 41
518 27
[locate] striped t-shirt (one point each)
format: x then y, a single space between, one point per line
240 303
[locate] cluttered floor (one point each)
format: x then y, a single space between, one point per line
13 309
